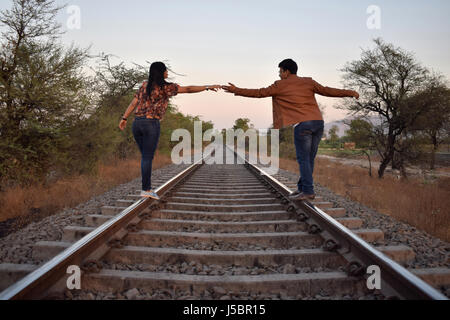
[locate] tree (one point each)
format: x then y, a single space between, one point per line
434 124
286 142
286 134
42 91
361 132
386 77
53 118
115 86
242 123
333 136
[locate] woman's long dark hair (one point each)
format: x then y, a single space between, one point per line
156 77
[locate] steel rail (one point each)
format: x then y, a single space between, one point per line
396 281
37 282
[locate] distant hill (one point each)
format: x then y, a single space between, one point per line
343 127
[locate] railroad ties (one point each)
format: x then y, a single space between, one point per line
220 234
222 229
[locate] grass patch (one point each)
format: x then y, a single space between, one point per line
34 202
342 153
422 205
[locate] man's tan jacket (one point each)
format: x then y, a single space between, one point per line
293 99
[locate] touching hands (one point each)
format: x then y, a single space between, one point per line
231 88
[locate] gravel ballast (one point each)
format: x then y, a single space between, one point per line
430 251
17 247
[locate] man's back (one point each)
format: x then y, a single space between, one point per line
294 99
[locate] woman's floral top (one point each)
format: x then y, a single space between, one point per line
154 106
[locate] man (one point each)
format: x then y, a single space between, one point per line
294 103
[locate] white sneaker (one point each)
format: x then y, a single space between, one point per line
150 194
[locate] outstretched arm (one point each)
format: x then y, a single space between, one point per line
333 92
253 93
195 89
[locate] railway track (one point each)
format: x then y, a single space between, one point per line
219 232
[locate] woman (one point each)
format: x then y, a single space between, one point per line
151 102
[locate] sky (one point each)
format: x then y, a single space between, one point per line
216 42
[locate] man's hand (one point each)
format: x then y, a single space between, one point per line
355 95
231 88
122 124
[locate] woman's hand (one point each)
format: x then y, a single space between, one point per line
122 124
131 107
214 87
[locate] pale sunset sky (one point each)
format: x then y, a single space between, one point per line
216 42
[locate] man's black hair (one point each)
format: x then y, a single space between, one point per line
289 64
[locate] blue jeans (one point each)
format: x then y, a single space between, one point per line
146 133
307 136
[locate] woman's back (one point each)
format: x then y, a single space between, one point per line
154 106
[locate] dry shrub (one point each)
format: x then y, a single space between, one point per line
34 202
423 205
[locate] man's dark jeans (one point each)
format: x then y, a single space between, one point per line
307 136
146 133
